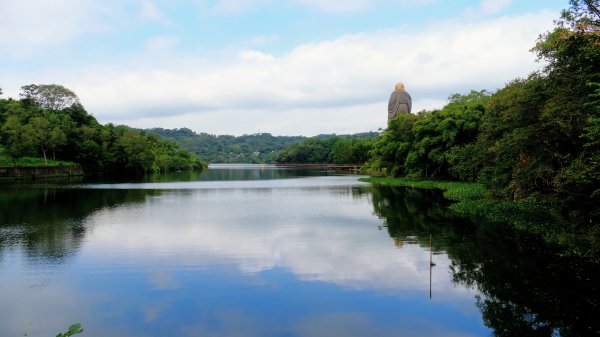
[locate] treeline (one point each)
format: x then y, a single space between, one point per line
49 121
536 139
261 147
350 149
253 149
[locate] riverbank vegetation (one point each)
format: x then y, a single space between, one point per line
453 190
347 149
472 200
49 123
534 145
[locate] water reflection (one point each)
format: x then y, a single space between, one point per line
527 288
49 222
307 260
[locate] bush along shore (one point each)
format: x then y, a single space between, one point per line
475 202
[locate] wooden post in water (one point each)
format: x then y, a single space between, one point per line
430 268
430 251
431 264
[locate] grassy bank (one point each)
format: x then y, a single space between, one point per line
544 219
34 162
453 190
28 168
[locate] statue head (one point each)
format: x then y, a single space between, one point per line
399 86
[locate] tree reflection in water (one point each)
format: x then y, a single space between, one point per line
49 222
526 287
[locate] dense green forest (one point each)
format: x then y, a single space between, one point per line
344 149
258 148
254 149
49 122
537 139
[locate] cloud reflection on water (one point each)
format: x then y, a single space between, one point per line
228 261
306 231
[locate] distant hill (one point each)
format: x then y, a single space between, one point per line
255 148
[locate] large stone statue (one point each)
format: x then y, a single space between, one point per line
400 102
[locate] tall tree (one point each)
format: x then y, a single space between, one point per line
42 134
49 96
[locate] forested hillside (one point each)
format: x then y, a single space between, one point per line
536 139
48 122
345 149
254 148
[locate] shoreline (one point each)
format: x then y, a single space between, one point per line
32 173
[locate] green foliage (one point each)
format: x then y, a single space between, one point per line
256 148
39 125
453 190
427 145
391 150
333 150
35 161
541 218
73 330
49 96
536 140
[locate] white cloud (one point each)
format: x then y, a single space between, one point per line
29 25
330 85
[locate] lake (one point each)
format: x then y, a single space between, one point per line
254 250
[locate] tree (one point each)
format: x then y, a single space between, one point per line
427 145
18 138
41 134
390 151
49 96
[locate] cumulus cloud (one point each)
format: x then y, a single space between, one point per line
338 82
338 85
29 25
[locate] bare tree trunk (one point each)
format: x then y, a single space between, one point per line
44 152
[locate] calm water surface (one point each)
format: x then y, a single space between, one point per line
261 251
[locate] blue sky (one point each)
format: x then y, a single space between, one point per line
287 67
